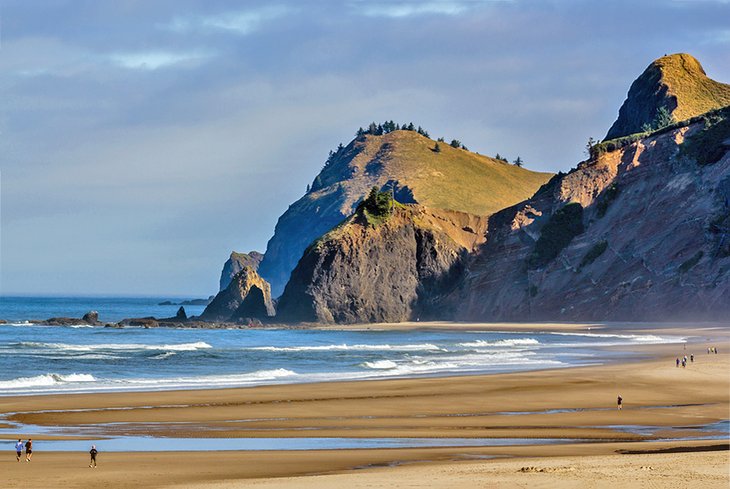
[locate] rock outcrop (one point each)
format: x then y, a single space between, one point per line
676 83
226 304
384 271
91 318
235 263
651 244
406 162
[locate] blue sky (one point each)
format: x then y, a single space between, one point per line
142 141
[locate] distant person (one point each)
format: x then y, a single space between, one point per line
684 363
715 350
619 402
19 449
93 453
677 362
692 358
708 350
28 450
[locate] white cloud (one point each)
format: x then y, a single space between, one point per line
240 23
153 60
408 9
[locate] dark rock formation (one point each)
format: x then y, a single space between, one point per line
677 83
389 272
146 322
189 302
228 301
235 263
253 306
91 318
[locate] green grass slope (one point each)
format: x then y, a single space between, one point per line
452 178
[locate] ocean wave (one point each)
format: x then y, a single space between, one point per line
162 356
45 380
507 342
200 345
380 364
641 338
228 379
346 347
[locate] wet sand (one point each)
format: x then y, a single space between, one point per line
561 403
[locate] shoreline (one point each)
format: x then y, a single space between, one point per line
568 403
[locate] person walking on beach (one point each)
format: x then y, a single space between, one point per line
619 402
692 358
28 450
93 453
19 449
677 362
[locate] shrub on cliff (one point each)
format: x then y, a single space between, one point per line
595 251
377 206
559 231
708 145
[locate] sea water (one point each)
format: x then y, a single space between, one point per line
51 359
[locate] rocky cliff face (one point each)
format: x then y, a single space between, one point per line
235 263
247 296
677 83
652 242
451 178
388 272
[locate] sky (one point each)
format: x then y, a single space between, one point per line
142 141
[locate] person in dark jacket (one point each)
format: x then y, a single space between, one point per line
93 453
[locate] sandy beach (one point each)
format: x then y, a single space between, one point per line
577 405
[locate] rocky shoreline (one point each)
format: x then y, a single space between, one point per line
181 320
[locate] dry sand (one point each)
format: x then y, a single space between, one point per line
655 393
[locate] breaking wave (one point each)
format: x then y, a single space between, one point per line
200 345
510 342
45 380
346 347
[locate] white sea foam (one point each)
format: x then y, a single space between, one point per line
45 380
641 338
380 364
509 342
229 379
346 347
200 345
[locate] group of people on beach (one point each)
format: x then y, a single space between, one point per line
28 445
683 360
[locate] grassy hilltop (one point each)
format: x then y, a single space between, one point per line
449 178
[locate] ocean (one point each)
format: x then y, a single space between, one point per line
52 359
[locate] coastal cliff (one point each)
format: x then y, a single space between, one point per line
406 162
381 269
639 232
